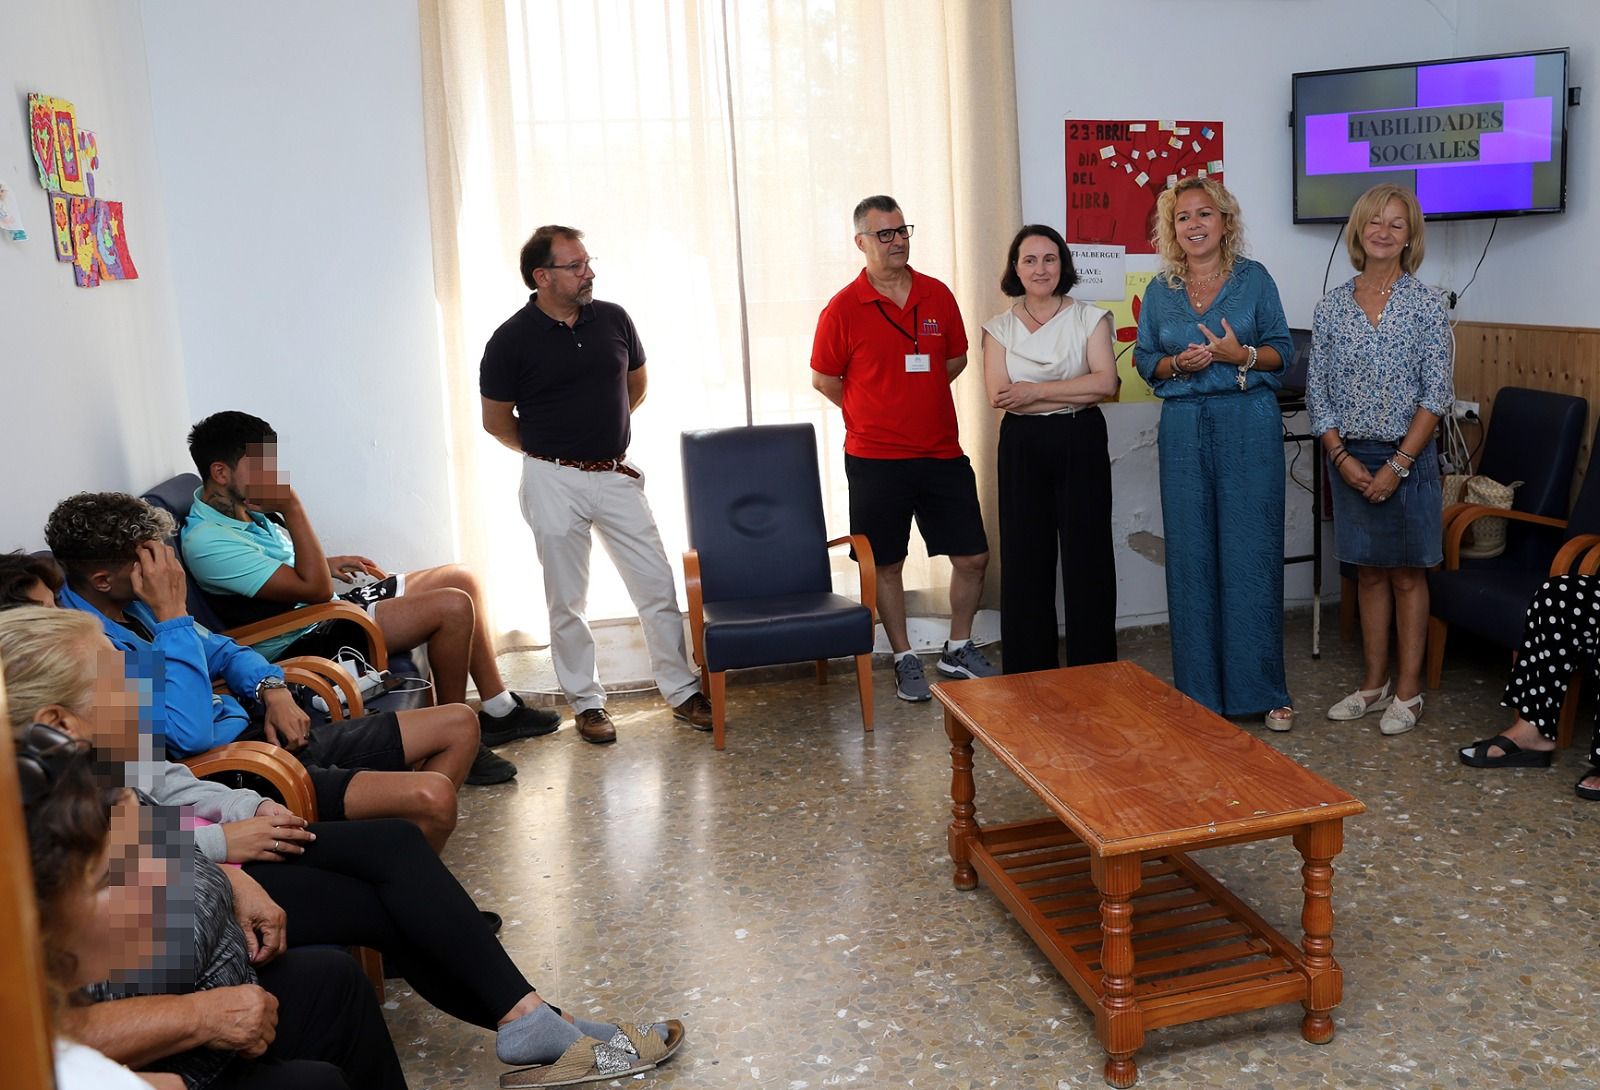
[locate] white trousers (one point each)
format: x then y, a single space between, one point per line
561 504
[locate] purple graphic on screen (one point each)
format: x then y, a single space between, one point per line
1499 176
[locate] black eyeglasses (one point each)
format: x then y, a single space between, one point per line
888 234
576 268
43 756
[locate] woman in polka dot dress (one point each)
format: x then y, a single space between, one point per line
1562 637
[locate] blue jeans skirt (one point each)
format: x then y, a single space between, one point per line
1405 530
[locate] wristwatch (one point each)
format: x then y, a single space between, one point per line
1399 470
269 682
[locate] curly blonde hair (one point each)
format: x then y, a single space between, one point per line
1174 263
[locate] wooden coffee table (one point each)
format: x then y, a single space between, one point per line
1135 776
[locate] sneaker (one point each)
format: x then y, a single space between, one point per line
489 767
1401 715
966 661
520 722
909 681
696 711
596 726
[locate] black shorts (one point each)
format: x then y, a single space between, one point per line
338 750
326 639
940 493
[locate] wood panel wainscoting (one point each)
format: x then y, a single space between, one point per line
1561 359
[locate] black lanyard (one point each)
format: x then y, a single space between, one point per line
916 345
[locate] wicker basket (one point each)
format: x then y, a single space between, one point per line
1488 534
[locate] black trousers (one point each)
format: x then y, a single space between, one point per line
331 1034
377 883
1055 508
1562 638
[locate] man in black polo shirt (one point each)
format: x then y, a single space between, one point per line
560 380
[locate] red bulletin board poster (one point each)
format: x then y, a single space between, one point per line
1117 169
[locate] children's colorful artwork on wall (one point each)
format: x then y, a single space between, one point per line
61 225
88 232
42 134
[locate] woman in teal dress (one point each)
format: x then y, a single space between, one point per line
1212 341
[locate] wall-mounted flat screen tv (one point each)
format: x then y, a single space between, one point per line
1473 137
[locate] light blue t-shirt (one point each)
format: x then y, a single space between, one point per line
227 556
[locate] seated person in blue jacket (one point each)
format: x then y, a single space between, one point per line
247 535
118 568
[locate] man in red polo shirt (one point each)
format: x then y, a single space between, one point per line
886 351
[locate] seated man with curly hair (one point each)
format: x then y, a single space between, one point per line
119 569
28 580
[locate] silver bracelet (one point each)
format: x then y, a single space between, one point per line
1250 362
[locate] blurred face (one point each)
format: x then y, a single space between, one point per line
256 479
1386 235
1198 225
110 721
108 926
1039 265
569 278
884 257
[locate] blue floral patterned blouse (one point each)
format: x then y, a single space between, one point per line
1168 325
1370 382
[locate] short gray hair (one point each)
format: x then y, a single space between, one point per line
880 203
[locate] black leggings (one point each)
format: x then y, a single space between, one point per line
377 883
1561 640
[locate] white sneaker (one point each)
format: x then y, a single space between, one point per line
1359 703
1401 715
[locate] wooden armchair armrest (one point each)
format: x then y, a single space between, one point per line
1572 553
1476 511
1454 511
1590 564
323 611
272 763
868 569
323 676
697 606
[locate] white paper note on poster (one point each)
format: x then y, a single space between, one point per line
1100 270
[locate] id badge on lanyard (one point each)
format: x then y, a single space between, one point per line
918 362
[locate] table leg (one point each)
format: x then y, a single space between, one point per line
962 826
1118 1021
1318 844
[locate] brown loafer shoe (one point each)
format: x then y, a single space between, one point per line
696 711
595 726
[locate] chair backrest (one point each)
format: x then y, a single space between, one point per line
1585 517
754 501
24 1011
1533 437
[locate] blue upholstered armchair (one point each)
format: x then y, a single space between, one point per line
760 591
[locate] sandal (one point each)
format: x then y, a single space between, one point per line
636 1049
1280 719
1511 756
1587 794
1359 703
1401 715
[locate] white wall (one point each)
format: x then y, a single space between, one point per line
291 136
1230 60
93 377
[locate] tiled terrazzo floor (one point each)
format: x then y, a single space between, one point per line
790 899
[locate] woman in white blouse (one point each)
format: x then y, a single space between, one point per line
1048 362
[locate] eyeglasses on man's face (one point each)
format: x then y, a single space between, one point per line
576 268
887 235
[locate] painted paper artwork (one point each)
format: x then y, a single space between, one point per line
1117 169
66 130
88 157
111 243
42 135
85 268
61 226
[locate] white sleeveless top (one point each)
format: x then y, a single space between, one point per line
1053 352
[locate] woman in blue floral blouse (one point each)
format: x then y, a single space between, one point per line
1212 341
1379 381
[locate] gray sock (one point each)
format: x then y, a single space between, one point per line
537 1038
604 1031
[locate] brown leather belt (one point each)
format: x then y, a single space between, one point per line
608 465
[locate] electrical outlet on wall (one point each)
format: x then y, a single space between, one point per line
1466 410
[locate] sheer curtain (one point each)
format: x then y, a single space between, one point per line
712 151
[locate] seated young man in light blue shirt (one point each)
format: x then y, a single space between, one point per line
247 535
119 570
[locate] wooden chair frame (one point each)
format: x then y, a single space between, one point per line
714 682
1578 556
